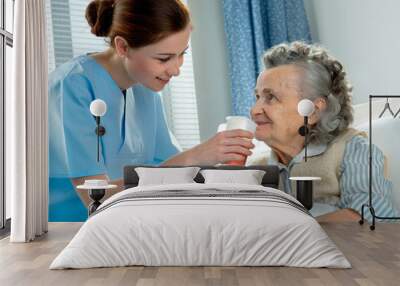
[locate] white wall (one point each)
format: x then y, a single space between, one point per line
210 63
364 36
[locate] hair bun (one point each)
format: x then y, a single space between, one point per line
99 14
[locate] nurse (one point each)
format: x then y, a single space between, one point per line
147 42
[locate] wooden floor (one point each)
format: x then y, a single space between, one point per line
375 256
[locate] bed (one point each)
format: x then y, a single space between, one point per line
201 224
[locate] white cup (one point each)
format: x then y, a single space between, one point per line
96 183
240 122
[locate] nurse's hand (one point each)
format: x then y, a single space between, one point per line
225 146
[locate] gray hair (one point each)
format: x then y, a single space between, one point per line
324 76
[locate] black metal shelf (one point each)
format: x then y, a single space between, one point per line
369 205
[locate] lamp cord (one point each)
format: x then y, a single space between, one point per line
306 137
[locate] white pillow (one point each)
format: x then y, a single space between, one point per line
386 135
163 176
249 177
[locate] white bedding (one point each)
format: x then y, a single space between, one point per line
183 231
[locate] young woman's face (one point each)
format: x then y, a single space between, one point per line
155 64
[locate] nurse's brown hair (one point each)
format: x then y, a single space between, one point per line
139 22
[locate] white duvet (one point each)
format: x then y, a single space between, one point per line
183 231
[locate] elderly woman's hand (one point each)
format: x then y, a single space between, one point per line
225 146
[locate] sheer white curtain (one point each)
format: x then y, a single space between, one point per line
26 124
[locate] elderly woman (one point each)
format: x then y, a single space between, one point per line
336 153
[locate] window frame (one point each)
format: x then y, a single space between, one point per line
6 39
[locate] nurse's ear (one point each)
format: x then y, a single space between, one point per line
121 46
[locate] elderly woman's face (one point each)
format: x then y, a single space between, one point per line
278 92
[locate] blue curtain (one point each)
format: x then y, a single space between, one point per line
251 27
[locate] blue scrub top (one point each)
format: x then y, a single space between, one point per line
136 131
